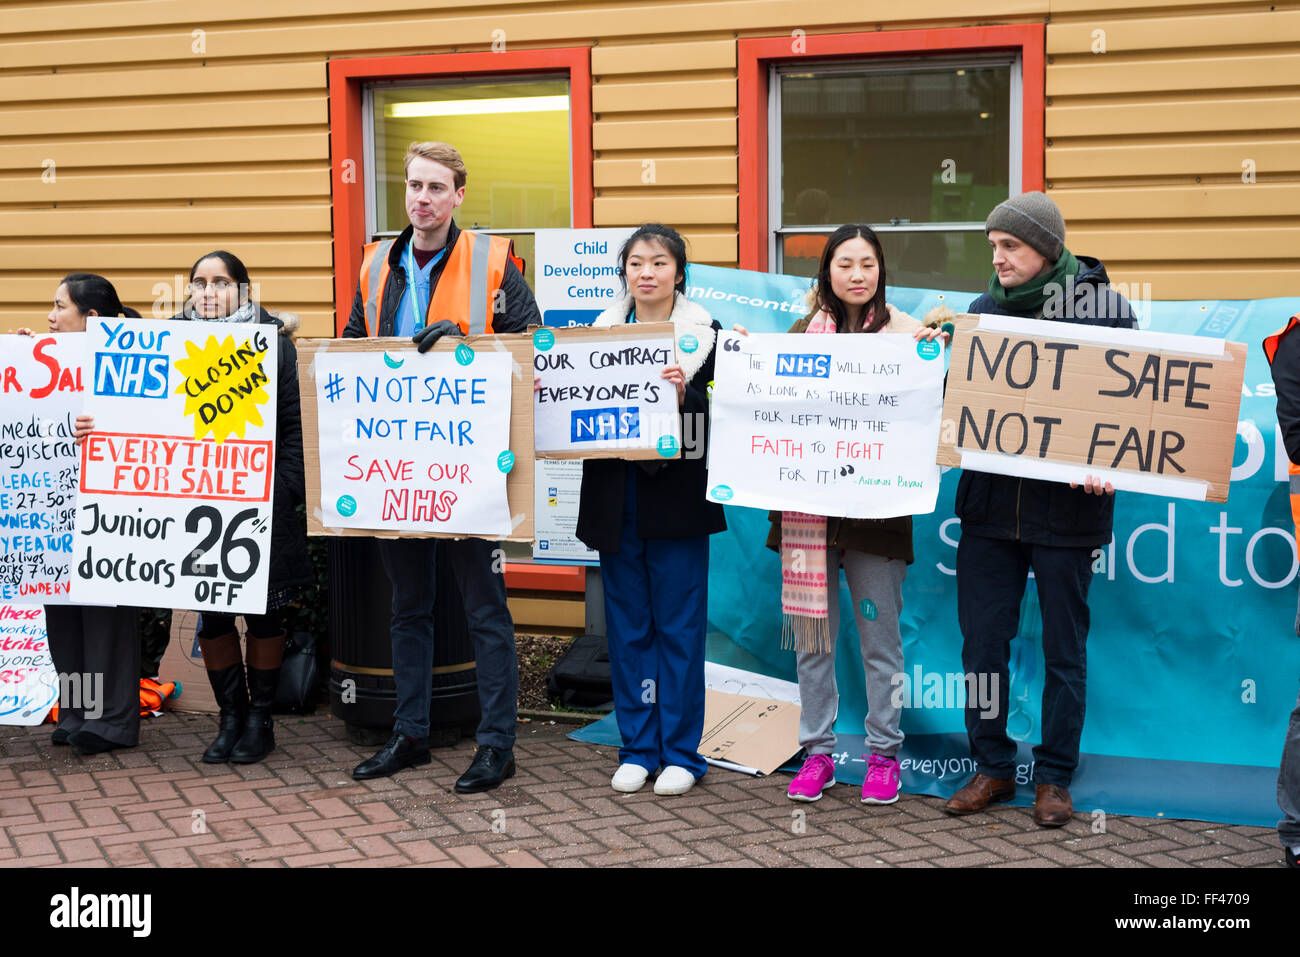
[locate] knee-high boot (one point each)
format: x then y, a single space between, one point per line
225 666
258 739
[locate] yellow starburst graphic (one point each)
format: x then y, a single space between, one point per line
223 385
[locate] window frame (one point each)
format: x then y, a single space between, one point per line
758 59
348 79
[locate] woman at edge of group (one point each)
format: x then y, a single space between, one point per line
847 296
220 291
88 640
650 522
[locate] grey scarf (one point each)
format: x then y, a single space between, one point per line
245 313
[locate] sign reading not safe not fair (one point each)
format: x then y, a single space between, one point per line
174 508
415 442
842 425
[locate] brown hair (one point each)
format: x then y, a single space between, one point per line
443 153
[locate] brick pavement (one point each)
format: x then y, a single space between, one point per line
158 805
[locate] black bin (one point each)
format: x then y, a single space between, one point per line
361 652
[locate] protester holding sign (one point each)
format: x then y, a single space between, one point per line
436 279
95 648
651 524
220 291
1283 352
1010 525
847 296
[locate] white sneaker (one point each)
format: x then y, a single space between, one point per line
674 780
629 778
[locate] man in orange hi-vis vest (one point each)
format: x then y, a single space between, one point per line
433 280
1283 352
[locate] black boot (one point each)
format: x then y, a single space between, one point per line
258 739
231 694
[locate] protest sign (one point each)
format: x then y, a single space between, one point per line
577 273
174 508
40 399
830 425
29 685
602 393
1148 412
403 444
558 491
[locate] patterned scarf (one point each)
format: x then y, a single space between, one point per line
805 599
245 313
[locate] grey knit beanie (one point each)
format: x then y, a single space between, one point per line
1032 218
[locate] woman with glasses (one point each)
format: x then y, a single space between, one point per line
220 291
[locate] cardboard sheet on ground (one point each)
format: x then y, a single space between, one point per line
752 735
29 685
826 424
399 444
602 394
1151 412
41 398
175 501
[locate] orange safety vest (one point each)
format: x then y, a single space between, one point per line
466 289
1270 350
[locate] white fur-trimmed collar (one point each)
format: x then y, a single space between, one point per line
687 317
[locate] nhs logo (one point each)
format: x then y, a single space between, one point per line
805 365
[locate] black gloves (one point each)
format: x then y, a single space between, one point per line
427 336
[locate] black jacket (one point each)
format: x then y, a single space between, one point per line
671 500
520 306
1285 368
289 562
1033 510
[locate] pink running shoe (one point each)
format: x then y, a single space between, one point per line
880 786
816 775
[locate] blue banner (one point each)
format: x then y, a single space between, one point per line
1193 662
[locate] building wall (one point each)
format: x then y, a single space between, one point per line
135 136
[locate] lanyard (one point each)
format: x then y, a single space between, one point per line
418 309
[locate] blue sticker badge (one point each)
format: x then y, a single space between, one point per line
928 349
506 461
543 339
688 343
869 609
346 505
464 354
721 493
667 446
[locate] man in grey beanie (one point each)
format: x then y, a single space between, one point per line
1011 524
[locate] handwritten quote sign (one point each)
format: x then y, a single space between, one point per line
1148 412
602 395
841 425
177 478
29 685
40 398
414 442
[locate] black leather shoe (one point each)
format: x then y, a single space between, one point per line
60 736
489 768
400 752
87 742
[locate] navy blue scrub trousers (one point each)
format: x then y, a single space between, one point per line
656 607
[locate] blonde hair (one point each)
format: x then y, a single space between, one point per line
443 153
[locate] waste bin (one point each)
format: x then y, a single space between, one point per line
362 654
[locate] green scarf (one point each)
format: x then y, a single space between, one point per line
1030 297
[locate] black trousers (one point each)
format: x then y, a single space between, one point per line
96 651
991 577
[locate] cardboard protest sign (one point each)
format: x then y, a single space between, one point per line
29 685
174 508
399 444
40 399
752 735
1151 412
602 394
830 425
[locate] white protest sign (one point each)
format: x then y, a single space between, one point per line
29 685
602 393
417 443
174 509
842 425
576 273
40 399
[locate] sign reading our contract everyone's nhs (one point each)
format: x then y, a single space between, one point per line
831 425
576 275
